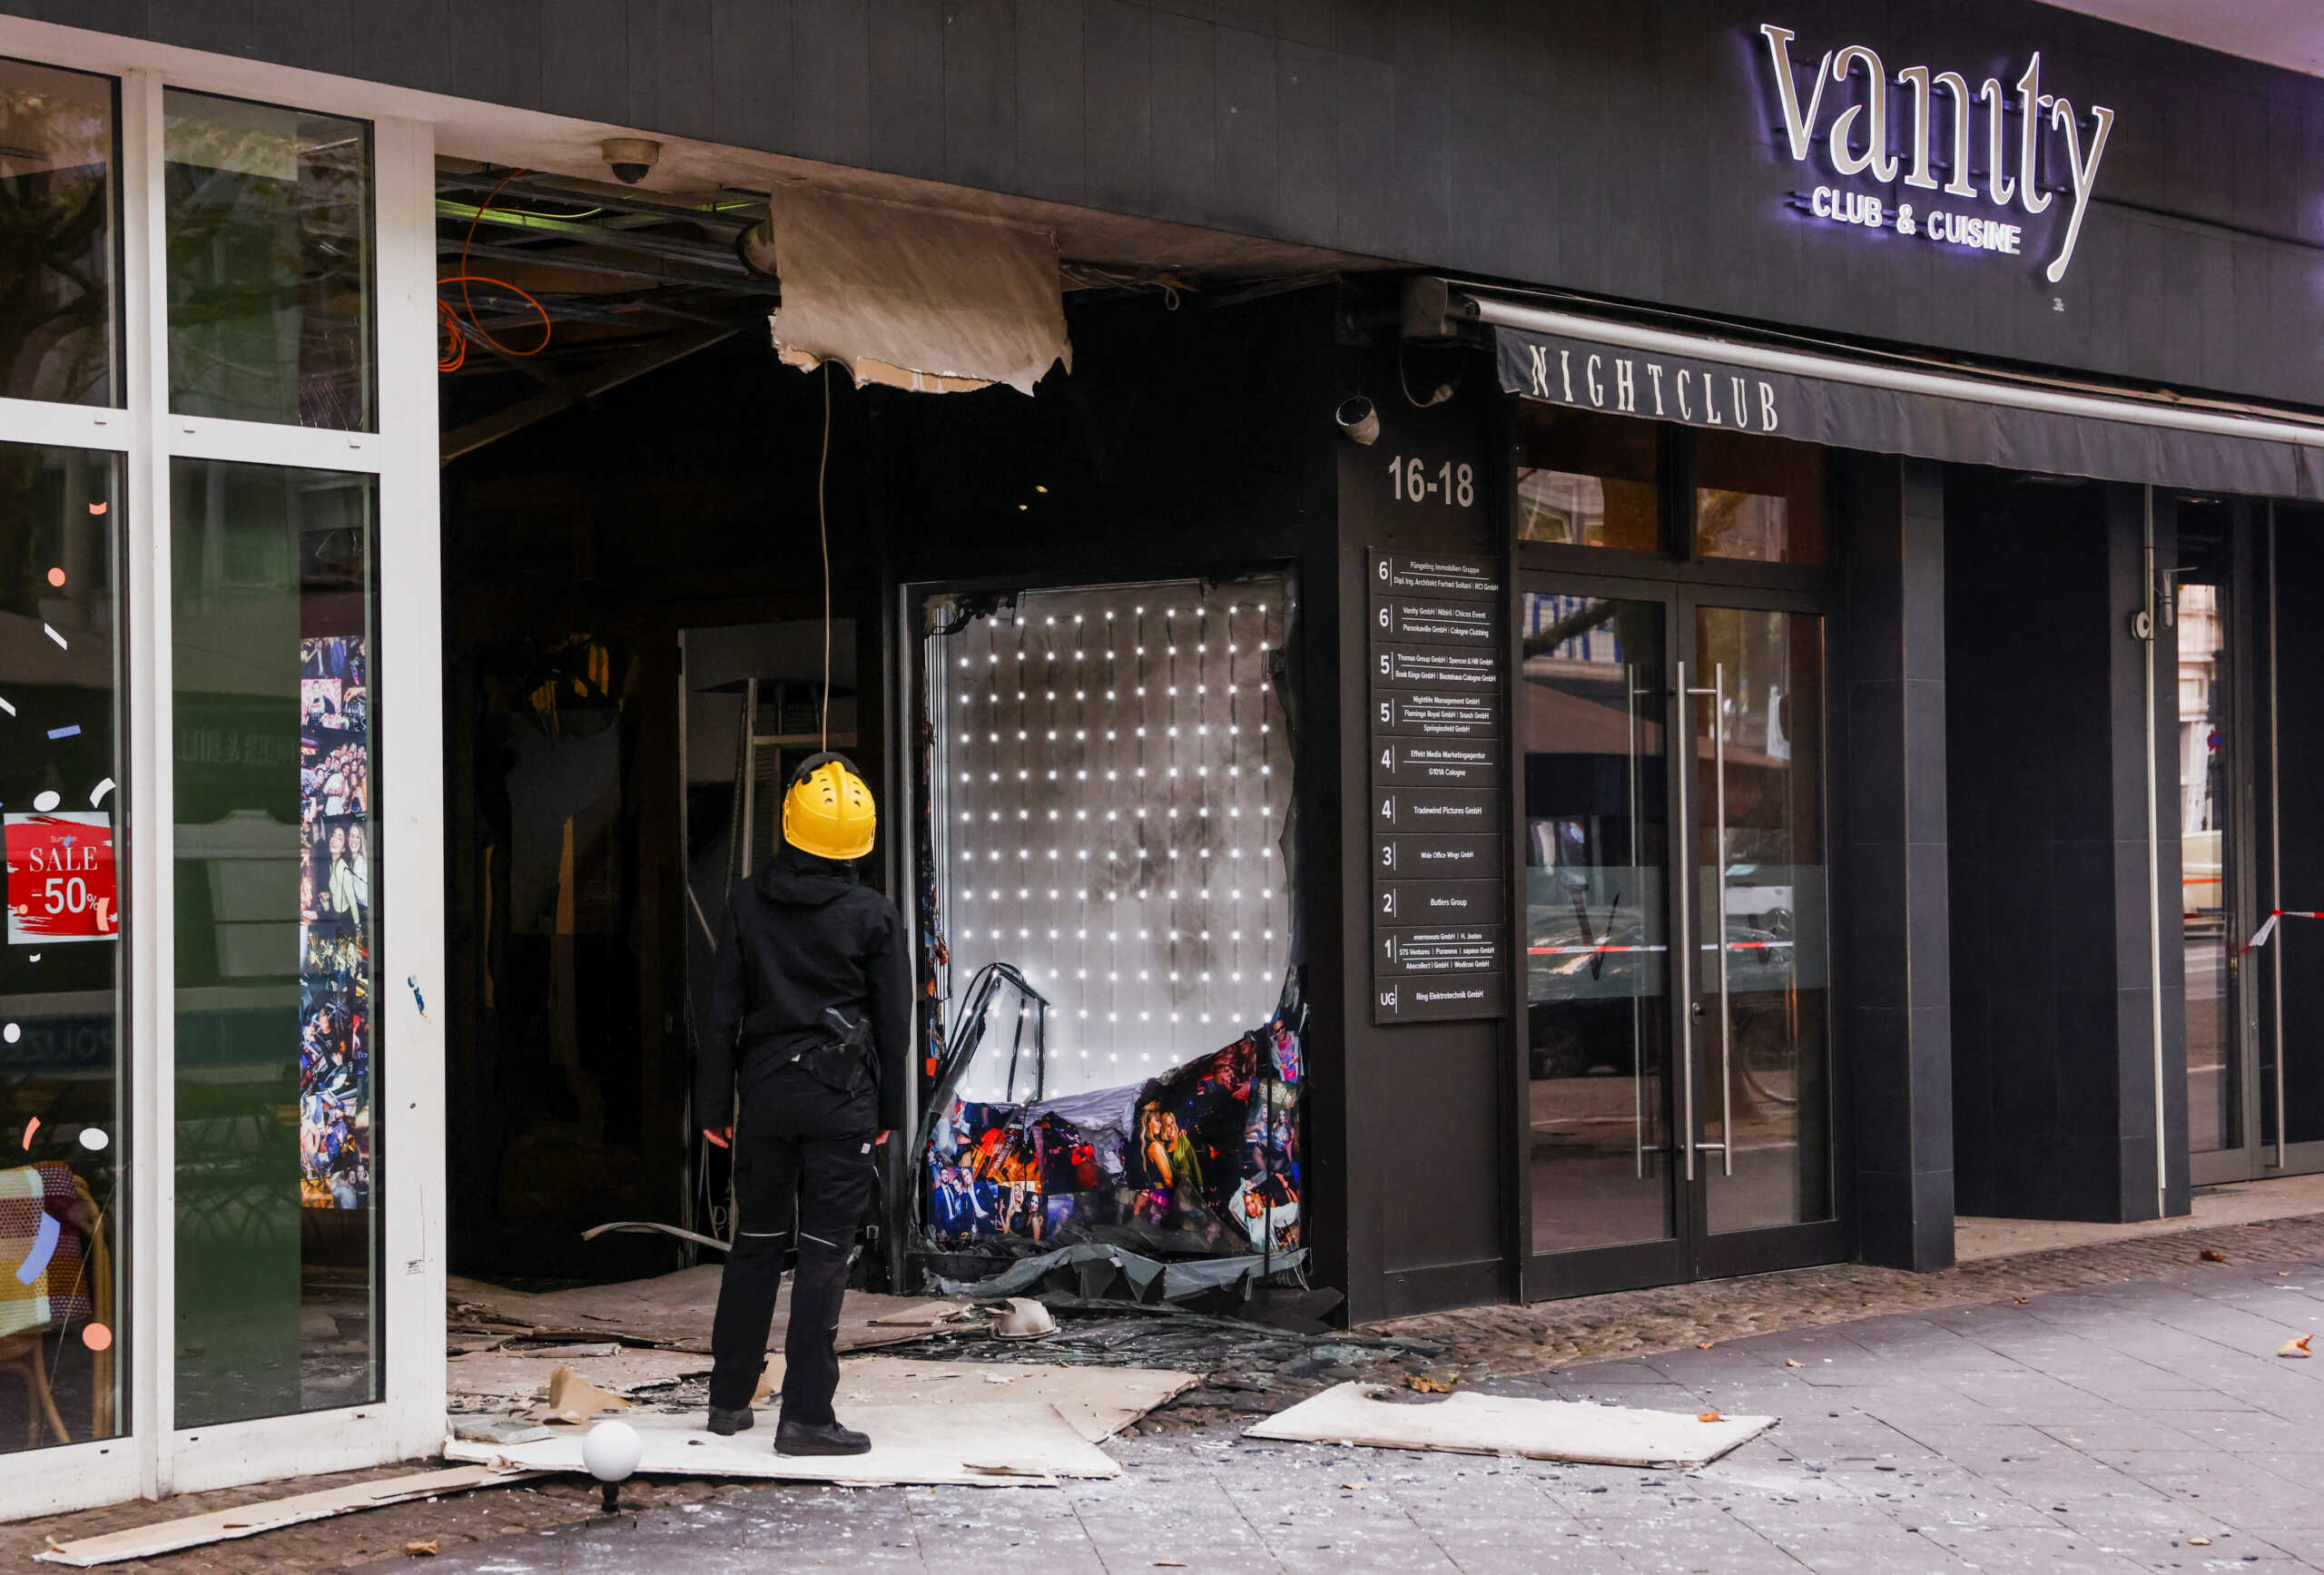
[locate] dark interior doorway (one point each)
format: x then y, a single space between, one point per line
586 559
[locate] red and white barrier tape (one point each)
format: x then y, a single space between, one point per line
2259 937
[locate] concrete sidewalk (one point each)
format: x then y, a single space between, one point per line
2102 1429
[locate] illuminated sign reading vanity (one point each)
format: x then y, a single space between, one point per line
1856 143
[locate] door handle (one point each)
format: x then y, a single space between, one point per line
1683 940
1716 693
1637 1023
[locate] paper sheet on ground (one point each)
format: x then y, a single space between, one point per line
999 1445
250 1520
1564 1430
1099 1402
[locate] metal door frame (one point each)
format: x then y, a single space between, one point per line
1692 1252
2252 865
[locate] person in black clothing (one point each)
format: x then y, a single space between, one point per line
811 1016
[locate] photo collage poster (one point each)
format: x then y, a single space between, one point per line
335 923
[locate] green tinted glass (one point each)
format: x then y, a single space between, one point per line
277 1130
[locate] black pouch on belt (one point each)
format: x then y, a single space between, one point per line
843 1062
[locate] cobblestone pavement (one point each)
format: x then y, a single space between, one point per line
1981 1405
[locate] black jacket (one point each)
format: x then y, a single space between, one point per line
801 935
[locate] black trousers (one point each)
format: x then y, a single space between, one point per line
794 1178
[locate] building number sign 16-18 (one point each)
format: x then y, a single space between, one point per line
1413 482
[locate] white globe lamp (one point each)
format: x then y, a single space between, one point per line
611 1451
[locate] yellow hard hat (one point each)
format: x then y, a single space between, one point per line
828 812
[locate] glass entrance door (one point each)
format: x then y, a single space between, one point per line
1677 1120
1593 713
1760 1016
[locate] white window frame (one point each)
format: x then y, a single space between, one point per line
152 1456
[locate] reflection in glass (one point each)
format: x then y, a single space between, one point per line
270 263
58 311
277 881
1596 1015
61 1087
1760 499
1761 974
1585 481
2215 1064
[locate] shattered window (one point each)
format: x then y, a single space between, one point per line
1109 787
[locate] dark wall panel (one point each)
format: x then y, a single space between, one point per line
2052 1017
1629 148
1430 1108
2298 949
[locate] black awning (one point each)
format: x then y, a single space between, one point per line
1704 390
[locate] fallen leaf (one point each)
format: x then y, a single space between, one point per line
1424 1384
1708 1416
2213 1255
2296 1347
2283 1274
419 1549
2199 1542
1788 1361
2021 1300
1705 1345
1354 1487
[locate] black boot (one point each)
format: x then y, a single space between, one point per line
818 1438
726 1423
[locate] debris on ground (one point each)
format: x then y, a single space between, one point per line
1559 1430
504 1379
671 1312
250 1520
2296 1347
1023 1318
2212 1256
1008 1443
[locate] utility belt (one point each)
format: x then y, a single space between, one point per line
838 1054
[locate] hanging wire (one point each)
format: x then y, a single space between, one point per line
451 360
823 531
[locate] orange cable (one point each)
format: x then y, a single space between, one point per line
464 279
458 353
548 328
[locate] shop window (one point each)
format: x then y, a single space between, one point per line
59 309
1586 480
1760 499
61 1093
269 217
1109 785
277 878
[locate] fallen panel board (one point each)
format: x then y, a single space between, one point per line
505 1375
1561 1430
671 1310
1004 1445
250 1520
1099 1402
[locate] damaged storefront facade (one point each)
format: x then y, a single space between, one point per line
1348 539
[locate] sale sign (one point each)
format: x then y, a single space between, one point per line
60 878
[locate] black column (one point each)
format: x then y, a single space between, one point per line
1893 931
2052 950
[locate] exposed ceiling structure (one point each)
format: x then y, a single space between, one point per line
570 284
569 288
2286 33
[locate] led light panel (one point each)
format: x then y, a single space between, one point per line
1110 781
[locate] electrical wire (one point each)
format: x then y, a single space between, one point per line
464 280
824 530
457 351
